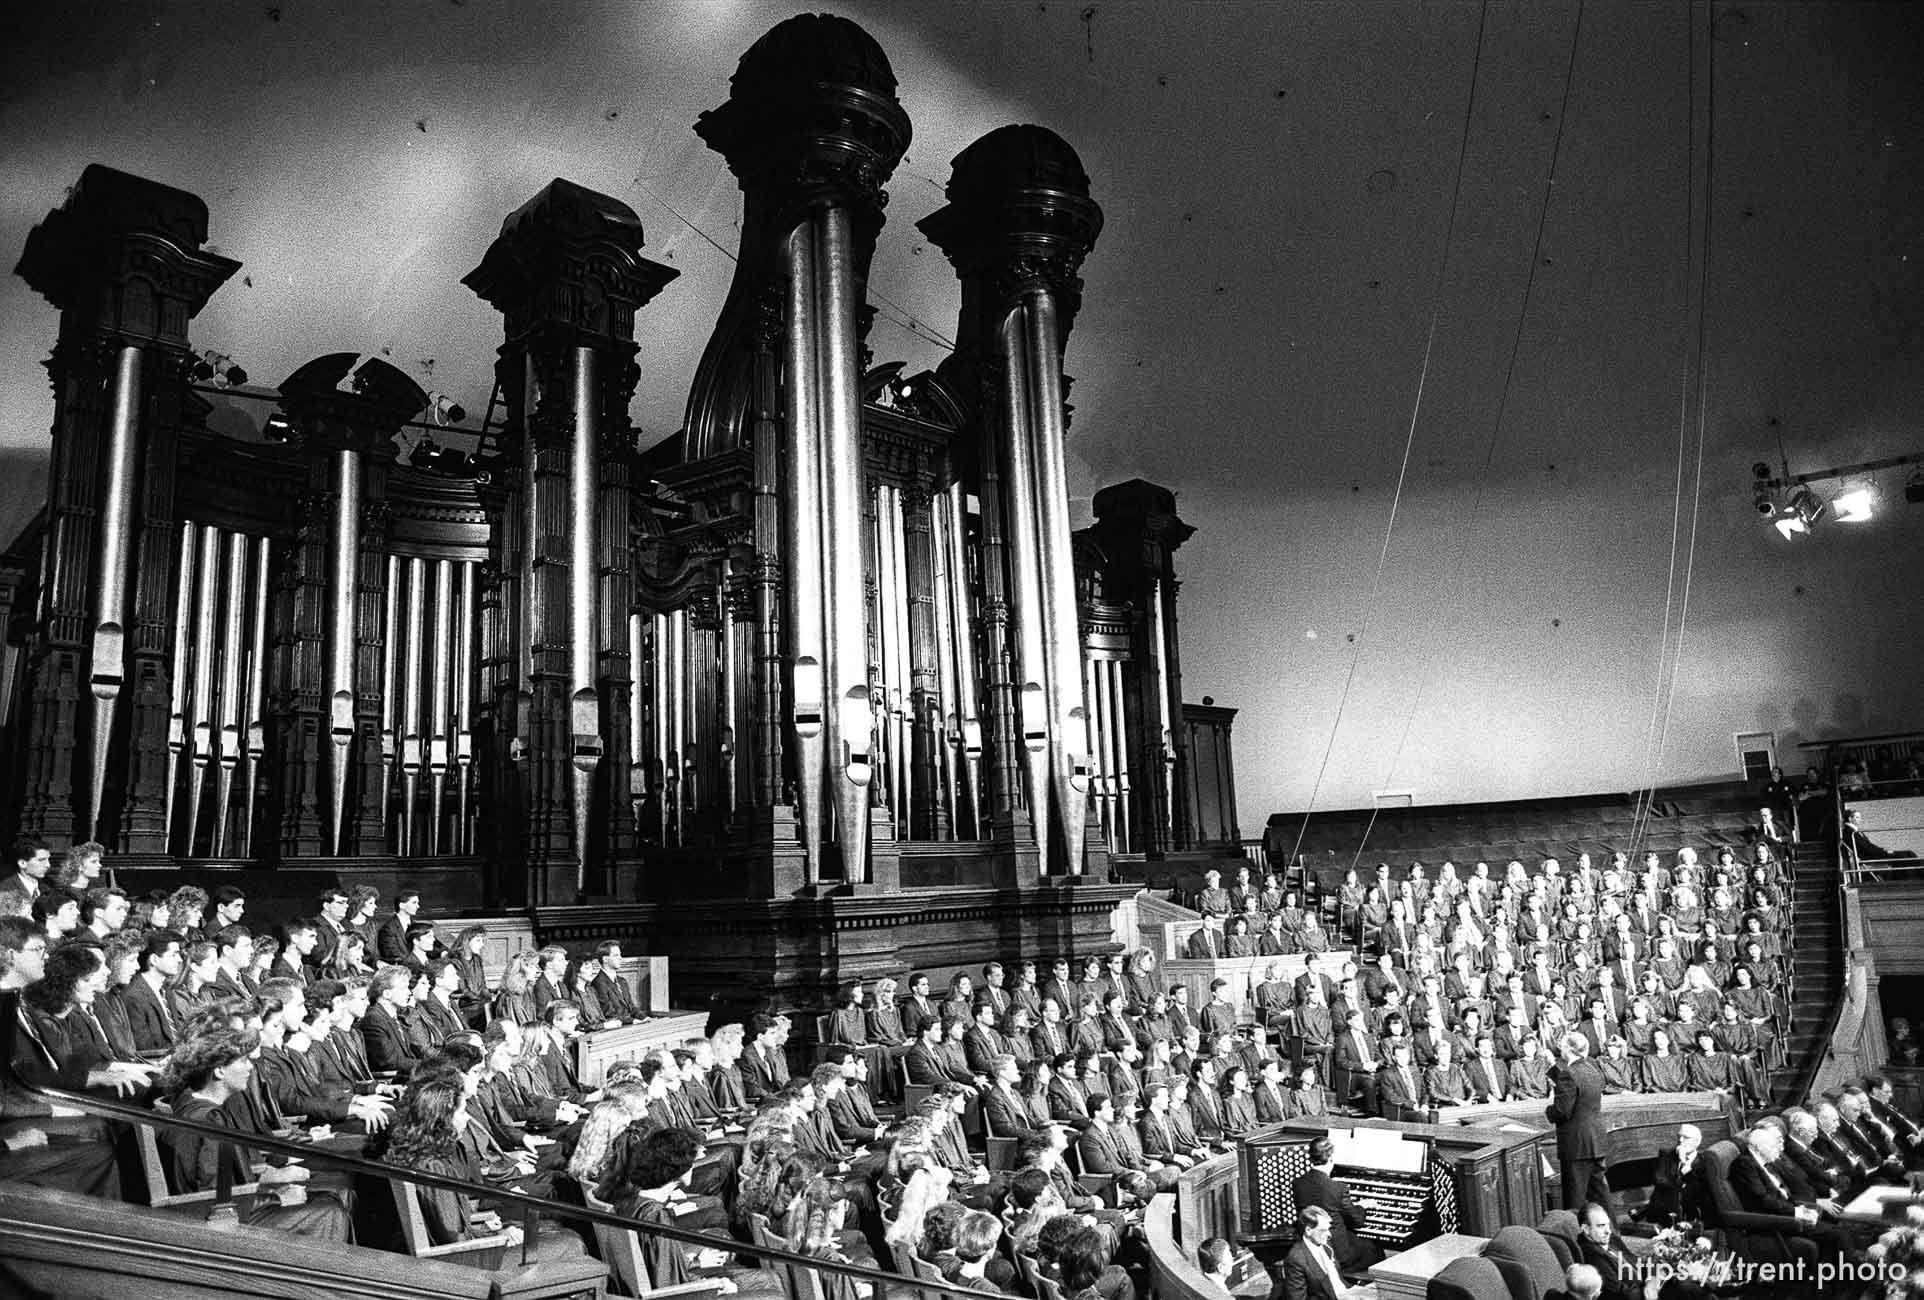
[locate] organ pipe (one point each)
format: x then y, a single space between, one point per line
390 693
1062 633
1031 656
440 703
344 536
967 688
1119 758
177 721
901 675
256 690
413 743
638 697
850 720
584 475
947 728
802 541
206 598
463 707
109 658
228 748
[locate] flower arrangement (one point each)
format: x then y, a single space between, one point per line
1681 1252
1900 1253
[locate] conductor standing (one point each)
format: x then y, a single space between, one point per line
1576 1108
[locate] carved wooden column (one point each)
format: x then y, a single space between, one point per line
122 261
1138 529
344 417
929 816
567 275
1017 225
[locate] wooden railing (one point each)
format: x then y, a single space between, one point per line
1205 1204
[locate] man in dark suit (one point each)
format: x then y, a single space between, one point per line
1576 1108
1883 1108
330 932
1761 1190
1207 943
382 1035
1677 1189
1604 1251
1320 1187
610 986
1310 1271
391 939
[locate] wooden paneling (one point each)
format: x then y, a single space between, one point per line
594 1053
1893 918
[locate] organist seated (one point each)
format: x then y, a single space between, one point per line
1320 1187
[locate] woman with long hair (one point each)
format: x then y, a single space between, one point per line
204 1074
606 1121
425 1136
195 989
471 999
514 1000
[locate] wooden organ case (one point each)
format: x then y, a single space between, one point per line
1407 1194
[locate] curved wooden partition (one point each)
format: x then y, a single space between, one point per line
1205 1204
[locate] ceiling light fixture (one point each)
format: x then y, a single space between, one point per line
1854 506
218 369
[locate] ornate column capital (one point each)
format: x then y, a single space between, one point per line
812 120
123 256
569 259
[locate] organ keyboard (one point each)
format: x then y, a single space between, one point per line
1405 1195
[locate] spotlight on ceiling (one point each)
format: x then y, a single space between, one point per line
1854 506
444 410
218 369
278 428
1801 513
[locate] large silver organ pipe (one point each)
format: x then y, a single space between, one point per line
1031 657
466 616
850 731
413 688
802 538
179 723
228 739
219 687
1062 632
584 474
111 586
344 540
967 685
440 701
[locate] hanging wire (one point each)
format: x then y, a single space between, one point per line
1668 693
1409 439
1473 519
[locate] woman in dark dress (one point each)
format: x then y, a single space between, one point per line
204 1073
1663 1069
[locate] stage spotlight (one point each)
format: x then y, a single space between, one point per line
217 368
1801 513
444 410
1854 506
278 428
431 456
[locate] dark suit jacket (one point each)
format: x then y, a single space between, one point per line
390 939
385 1041
1006 1116
1318 1188
1303 1278
617 1002
145 1018
1576 1108
1753 1187
1619 1281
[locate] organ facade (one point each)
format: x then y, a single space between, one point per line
823 685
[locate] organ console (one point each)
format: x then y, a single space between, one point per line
1406 1194
1480 1168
